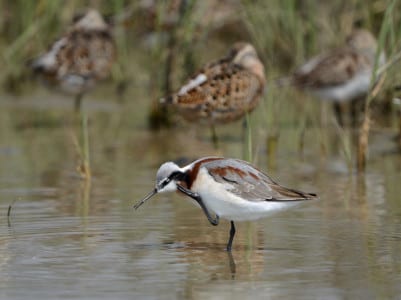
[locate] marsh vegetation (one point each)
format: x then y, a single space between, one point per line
65 231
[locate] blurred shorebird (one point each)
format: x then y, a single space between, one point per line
342 75
80 58
222 91
230 188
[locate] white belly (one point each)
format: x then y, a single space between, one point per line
355 87
229 206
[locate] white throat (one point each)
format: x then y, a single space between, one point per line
170 187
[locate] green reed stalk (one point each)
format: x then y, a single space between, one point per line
85 143
344 136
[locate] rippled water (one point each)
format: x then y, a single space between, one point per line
67 238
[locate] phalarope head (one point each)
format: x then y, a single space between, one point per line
166 179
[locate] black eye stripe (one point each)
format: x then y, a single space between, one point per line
177 175
165 181
174 175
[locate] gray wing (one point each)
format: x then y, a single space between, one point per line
249 183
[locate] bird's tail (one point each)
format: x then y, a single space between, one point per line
302 195
36 65
33 64
293 195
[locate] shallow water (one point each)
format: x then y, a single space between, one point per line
69 238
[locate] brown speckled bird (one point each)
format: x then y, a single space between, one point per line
222 91
80 58
342 75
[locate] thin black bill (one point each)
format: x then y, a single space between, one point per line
150 195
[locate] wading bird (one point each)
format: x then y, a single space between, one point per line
342 75
230 188
80 58
222 91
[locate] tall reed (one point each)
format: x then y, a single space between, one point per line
375 85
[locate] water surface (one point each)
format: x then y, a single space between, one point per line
70 238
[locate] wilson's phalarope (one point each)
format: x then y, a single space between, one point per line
230 188
79 58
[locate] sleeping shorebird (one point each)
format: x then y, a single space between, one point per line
230 188
222 91
76 61
344 74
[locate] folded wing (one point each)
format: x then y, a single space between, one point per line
242 179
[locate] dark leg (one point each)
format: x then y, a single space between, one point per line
244 126
339 113
357 108
244 129
354 113
215 140
246 139
212 221
399 128
198 199
243 137
78 101
232 233
231 262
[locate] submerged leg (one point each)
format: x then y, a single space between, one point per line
232 233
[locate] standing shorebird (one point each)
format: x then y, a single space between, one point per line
222 91
342 75
230 188
80 58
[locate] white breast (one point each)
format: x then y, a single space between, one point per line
217 197
75 84
355 87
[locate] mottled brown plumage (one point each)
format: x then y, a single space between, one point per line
222 91
81 57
